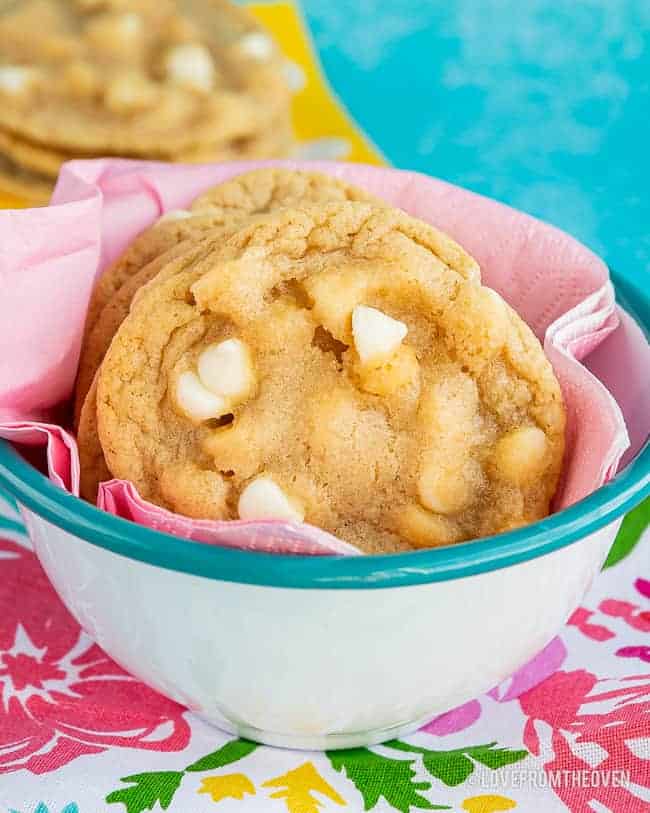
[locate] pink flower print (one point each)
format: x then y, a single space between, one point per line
457 719
597 632
641 652
629 613
542 666
563 702
60 696
643 586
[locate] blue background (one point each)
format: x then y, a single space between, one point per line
543 105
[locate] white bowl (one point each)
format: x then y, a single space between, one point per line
322 652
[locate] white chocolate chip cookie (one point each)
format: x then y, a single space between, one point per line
341 364
182 80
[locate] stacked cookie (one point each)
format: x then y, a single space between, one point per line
176 80
290 347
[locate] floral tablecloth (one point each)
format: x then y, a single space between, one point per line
531 114
571 731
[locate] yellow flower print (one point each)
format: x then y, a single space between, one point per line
488 804
296 787
229 786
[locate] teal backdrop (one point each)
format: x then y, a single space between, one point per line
543 105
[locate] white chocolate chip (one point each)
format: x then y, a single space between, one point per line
376 335
521 455
226 369
129 93
113 32
174 214
191 64
257 45
130 24
197 402
264 499
16 79
424 529
443 490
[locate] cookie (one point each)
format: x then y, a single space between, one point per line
92 464
22 183
46 161
254 192
32 158
340 364
150 78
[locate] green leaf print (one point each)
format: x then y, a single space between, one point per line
495 758
629 533
146 790
450 767
454 767
231 752
375 776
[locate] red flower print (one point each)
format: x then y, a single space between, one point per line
584 717
60 696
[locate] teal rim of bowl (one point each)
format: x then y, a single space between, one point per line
33 490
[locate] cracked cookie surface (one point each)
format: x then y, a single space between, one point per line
220 207
340 364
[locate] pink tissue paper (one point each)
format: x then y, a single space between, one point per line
50 258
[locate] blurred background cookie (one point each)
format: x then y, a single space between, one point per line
21 182
190 80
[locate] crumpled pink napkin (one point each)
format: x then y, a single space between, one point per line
49 259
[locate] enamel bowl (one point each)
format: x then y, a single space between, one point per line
330 652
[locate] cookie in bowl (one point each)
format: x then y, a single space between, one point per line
339 364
